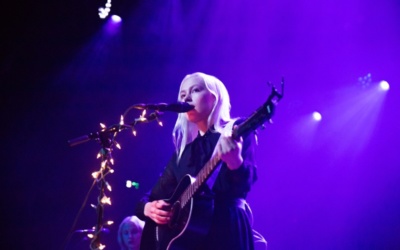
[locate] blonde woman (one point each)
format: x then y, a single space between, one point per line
217 213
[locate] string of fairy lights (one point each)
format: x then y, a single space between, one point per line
107 161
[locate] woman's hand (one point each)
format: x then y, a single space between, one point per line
158 211
230 151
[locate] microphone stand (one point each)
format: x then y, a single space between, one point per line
106 137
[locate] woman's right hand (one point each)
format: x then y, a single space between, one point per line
158 211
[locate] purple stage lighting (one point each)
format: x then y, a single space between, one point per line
317 116
384 85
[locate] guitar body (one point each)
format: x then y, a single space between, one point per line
188 226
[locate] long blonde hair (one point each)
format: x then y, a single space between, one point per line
135 222
185 131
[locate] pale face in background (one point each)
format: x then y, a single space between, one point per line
131 236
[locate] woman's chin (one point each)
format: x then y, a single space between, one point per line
133 246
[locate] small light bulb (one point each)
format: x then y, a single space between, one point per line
102 125
106 200
95 175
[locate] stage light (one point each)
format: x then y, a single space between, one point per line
365 81
384 85
116 18
103 12
317 116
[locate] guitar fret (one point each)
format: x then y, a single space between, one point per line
191 190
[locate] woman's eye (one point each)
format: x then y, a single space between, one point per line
195 90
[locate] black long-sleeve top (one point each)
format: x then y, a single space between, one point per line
229 185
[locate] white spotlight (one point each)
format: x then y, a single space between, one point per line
384 85
116 18
317 116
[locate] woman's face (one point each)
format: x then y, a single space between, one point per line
194 91
131 236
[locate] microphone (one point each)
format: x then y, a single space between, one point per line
178 107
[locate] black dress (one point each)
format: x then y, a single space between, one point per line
230 223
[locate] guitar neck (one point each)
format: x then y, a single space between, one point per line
201 177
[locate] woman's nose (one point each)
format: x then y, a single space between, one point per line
188 98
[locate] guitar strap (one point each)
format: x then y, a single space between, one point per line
227 130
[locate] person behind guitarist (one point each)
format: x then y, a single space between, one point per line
130 233
195 136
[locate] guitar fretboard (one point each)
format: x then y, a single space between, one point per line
199 180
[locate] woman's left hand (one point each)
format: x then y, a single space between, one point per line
230 151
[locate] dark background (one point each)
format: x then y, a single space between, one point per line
327 185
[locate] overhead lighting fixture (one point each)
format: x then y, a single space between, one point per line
384 85
104 11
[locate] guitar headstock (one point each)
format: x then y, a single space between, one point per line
261 115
